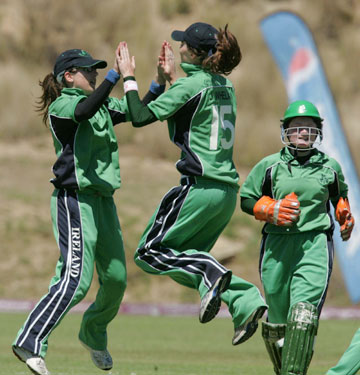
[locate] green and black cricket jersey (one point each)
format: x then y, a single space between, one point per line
201 112
87 151
316 183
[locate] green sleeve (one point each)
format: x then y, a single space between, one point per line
252 186
247 205
165 106
64 106
340 189
119 105
168 103
140 114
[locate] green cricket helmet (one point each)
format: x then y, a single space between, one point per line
301 108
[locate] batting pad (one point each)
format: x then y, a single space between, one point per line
273 335
299 339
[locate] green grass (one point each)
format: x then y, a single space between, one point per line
143 345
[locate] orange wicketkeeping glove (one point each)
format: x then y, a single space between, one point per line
284 212
344 217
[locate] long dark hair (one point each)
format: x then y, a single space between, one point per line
226 57
51 90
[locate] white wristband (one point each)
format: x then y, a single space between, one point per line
130 85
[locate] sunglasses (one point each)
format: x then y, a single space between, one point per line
83 68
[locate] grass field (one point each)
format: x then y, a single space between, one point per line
144 345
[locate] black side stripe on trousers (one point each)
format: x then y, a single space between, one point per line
52 307
167 214
262 253
330 250
197 264
157 256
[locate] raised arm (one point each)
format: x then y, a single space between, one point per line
139 112
88 107
166 63
157 86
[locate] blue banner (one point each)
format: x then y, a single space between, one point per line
294 50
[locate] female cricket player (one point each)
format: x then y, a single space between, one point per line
200 110
291 191
349 363
83 212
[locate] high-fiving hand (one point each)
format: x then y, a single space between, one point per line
125 64
166 63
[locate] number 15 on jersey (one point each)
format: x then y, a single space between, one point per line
221 127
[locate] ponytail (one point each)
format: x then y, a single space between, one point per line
226 57
51 90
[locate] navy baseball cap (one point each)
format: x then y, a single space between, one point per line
75 58
199 35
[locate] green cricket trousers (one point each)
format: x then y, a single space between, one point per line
87 231
295 268
180 235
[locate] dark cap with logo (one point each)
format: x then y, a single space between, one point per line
199 35
75 58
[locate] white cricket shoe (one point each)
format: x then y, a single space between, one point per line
245 331
35 363
37 366
101 358
211 302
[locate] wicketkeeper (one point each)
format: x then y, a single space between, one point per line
291 191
